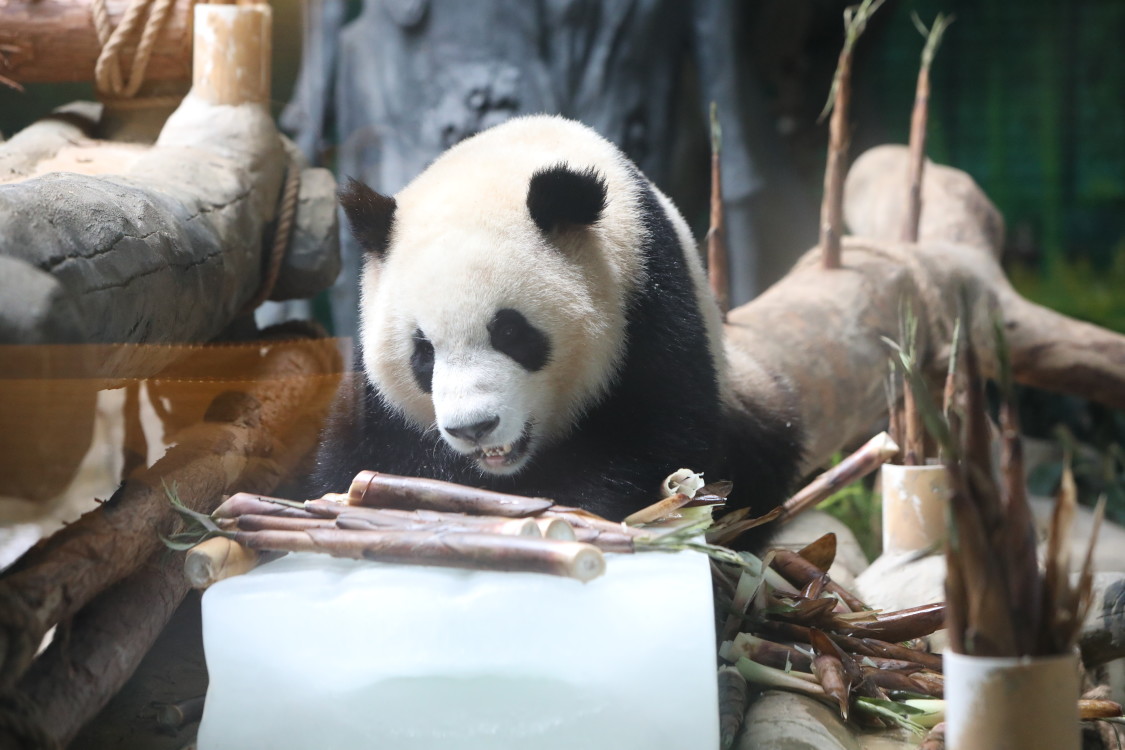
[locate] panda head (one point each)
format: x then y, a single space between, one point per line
493 311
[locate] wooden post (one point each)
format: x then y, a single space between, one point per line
232 54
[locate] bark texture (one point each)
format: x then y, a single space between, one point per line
55 41
812 343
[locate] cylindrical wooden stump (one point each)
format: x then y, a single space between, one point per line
232 54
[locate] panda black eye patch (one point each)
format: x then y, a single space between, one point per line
511 334
422 361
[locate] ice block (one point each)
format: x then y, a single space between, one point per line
315 653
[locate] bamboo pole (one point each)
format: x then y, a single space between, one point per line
918 119
839 99
718 258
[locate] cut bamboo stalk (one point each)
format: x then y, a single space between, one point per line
718 259
658 510
376 490
479 551
832 206
870 456
216 559
919 116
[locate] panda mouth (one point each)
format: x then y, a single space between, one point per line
500 457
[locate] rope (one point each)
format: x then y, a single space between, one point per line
281 236
107 71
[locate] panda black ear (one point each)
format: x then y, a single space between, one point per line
559 197
370 215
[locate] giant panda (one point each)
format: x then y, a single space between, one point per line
534 318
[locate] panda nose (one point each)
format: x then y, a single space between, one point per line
474 432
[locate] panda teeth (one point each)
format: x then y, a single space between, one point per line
501 450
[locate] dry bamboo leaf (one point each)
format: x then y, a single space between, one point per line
721 488
903 681
769 653
733 525
821 553
858 646
896 627
745 591
815 588
800 572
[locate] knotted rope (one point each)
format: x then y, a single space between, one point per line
107 71
281 236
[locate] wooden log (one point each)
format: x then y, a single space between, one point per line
55 41
42 140
873 205
1049 350
250 440
79 673
170 248
812 344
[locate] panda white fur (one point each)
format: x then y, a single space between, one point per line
534 318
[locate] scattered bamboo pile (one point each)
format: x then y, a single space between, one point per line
415 521
789 626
